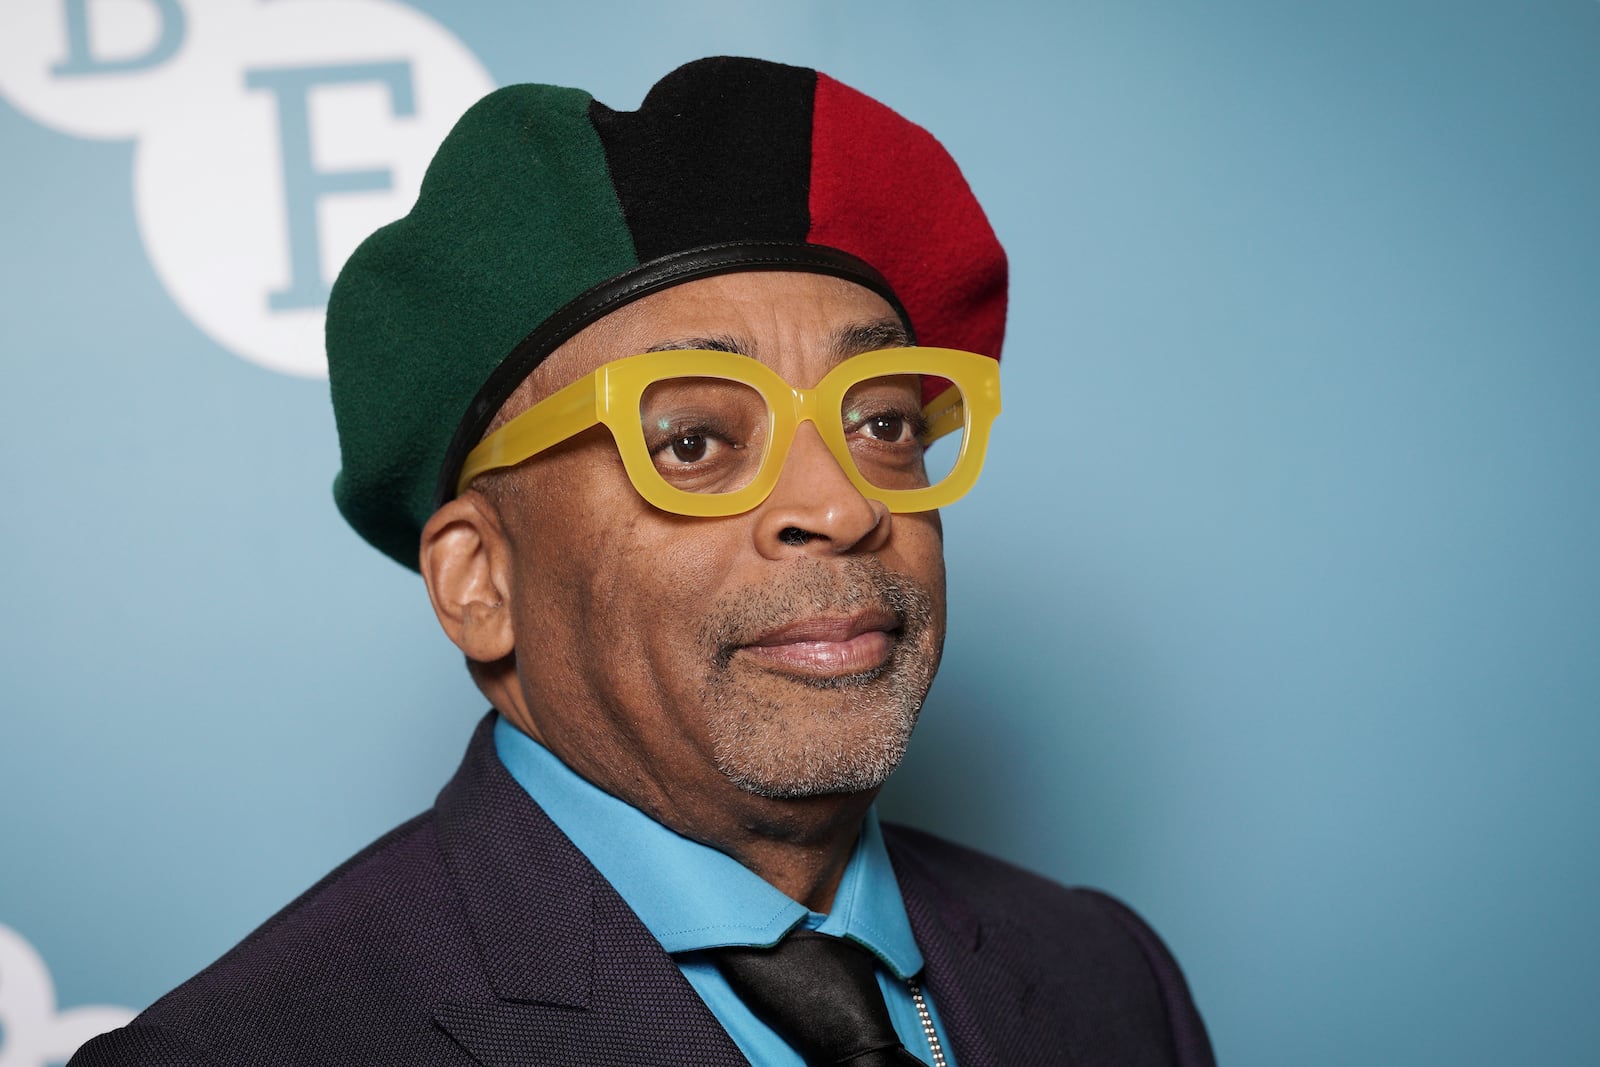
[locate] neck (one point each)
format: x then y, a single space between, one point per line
802 846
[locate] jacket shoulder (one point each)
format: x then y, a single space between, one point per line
995 888
985 883
351 967
145 1044
1058 944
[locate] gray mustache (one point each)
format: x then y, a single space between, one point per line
811 588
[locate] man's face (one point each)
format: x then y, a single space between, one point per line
683 662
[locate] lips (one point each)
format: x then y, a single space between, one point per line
826 647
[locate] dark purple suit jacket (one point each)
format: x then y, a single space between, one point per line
477 933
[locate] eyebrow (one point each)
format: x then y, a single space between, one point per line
846 341
719 343
862 337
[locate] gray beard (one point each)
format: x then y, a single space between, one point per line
769 748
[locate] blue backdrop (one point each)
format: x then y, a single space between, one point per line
1275 613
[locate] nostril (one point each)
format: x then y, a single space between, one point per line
793 535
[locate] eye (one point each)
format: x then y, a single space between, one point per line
886 427
690 448
889 425
703 435
885 412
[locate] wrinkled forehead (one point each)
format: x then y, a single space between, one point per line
799 324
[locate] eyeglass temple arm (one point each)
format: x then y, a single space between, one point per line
945 413
565 413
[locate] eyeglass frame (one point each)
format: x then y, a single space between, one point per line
611 396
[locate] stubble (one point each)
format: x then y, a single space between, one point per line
788 737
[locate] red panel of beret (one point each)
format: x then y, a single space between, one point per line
884 190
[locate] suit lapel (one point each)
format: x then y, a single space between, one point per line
574 976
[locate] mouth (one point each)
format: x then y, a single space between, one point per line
826 648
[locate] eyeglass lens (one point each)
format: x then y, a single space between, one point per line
709 435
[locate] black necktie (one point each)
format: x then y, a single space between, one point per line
820 993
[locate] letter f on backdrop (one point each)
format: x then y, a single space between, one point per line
271 136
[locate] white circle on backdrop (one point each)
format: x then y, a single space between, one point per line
107 104
33 1031
208 182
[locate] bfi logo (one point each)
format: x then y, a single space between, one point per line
33 1031
271 137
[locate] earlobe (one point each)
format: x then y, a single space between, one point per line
465 561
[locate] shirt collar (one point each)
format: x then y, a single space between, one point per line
691 896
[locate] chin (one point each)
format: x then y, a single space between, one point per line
814 771
790 734
818 742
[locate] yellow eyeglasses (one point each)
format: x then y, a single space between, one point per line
706 433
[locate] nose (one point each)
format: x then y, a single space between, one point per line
815 510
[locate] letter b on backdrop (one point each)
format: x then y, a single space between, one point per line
272 135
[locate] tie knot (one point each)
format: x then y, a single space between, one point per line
821 993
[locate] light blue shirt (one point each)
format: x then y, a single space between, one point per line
693 898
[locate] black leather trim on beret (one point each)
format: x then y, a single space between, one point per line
652 277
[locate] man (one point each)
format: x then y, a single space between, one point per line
653 401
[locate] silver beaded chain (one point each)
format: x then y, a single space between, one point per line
927 1024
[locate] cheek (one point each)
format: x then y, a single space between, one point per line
665 574
616 574
918 543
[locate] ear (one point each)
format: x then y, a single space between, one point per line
466 561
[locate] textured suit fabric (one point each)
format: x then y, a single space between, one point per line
476 933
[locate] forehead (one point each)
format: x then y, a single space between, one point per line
799 324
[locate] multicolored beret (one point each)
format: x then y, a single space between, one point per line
544 210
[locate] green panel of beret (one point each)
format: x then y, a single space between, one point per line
516 217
